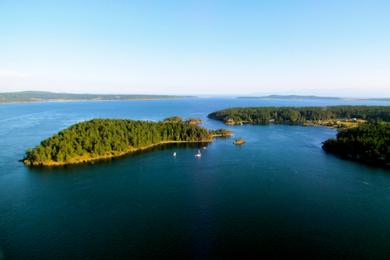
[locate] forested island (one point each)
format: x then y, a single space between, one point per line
368 143
335 116
107 138
40 96
179 119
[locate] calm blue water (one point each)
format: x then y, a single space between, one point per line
278 195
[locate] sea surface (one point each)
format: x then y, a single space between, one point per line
278 195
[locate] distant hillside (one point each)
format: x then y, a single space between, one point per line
33 96
290 97
309 97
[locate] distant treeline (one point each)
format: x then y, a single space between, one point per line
303 97
368 143
100 137
299 115
287 97
30 96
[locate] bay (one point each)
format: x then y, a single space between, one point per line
279 195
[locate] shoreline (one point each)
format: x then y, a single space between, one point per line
332 123
87 100
112 155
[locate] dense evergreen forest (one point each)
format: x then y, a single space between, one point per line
299 115
222 132
101 138
368 143
178 119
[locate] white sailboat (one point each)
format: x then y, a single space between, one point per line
198 155
174 154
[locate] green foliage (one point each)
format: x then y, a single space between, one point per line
368 143
298 115
221 132
103 136
173 119
193 121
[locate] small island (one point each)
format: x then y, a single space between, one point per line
239 141
194 121
222 132
331 116
99 139
179 119
367 143
173 119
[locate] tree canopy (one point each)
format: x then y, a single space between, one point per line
369 143
299 115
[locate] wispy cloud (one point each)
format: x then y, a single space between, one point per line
7 73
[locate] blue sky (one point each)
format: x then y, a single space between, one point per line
337 48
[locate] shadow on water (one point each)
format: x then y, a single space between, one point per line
362 164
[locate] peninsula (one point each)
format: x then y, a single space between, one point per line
367 143
107 138
332 116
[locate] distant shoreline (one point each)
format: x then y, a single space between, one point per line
43 96
304 97
331 116
87 100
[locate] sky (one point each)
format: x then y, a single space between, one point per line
326 48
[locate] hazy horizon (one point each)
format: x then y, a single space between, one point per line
197 48
254 95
